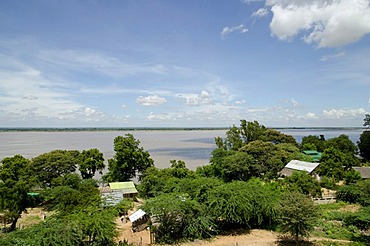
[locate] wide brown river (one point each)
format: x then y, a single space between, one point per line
192 146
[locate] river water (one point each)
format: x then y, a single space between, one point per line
192 146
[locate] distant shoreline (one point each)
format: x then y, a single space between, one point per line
82 129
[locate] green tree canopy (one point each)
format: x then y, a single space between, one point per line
303 182
179 218
90 161
129 160
318 141
54 164
334 163
297 214
367 120
16 180
342 143
364 145
243 204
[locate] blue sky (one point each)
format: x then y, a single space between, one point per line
157 63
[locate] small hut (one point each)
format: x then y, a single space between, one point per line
295 165
139 220
364 172
127 189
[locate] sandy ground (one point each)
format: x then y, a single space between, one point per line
249 238
254 237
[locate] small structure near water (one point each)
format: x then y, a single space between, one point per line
139 220
364 172
117 191
295 165
315 155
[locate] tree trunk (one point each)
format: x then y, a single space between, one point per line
14 224
296 237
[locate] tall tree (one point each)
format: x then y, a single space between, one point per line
297 214
334 163
364 145
91 160
129 159
367 120
342 143
16 180
54 164
318 141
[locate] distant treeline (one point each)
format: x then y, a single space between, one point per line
79 129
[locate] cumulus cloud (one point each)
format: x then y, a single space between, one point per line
152 117
150 100
308 116
196 100
89 111
230 29
344 113
325 23
262 12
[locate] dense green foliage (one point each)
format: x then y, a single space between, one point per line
355 193
364 145
312 142
90 226
16 180
129 159
298 214
243 204
304 183
54 164
178 217
334 163
90 161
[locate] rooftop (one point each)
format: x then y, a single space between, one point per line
302 165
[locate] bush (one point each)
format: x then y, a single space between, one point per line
360 219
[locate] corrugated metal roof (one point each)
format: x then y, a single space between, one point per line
302 165
121 185
137 215
364 171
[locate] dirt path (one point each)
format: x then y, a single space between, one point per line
250 238
254 237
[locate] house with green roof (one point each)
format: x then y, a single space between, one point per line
115 192
315 155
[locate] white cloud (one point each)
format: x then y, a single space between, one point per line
325 23
89 111
229 29
344 113
240 101
90 61
260 13
150 100
337 55
160 117
309 116
196 100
